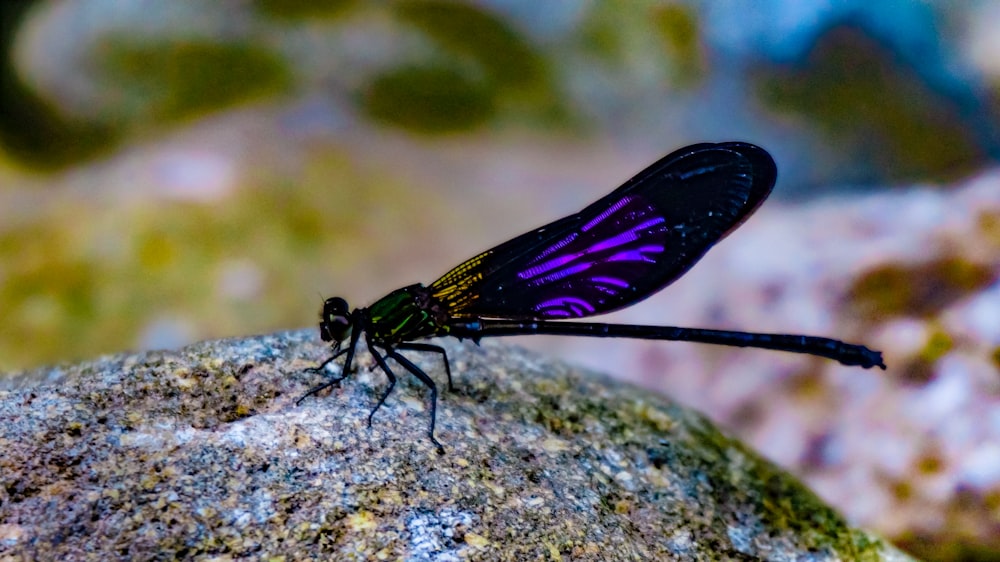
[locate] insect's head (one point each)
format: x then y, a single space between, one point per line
335 321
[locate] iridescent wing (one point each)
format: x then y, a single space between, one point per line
622 248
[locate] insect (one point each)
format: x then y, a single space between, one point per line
616 252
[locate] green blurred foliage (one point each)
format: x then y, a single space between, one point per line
664 35
921 368
920 290
297 9
37 135
600 34
852 88
938 344
73 288
172 81
482 69
464 30
33 131
429 99
479 70
678 28
48 283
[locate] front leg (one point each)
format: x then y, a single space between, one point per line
337 352
344 372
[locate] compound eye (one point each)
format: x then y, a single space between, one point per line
335 306
335 321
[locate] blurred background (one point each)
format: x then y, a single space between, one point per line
172 171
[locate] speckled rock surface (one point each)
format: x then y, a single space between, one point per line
203 452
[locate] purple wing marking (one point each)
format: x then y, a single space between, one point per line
610 211
637 255
610 281
565 307
575 275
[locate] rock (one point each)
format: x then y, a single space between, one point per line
203 453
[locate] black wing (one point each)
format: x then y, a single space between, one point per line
621 249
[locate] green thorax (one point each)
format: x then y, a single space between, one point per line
407 314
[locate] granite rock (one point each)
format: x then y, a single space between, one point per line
204 453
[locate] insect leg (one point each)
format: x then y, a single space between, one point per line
411 367
337 352
349 350
433 348
380 360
